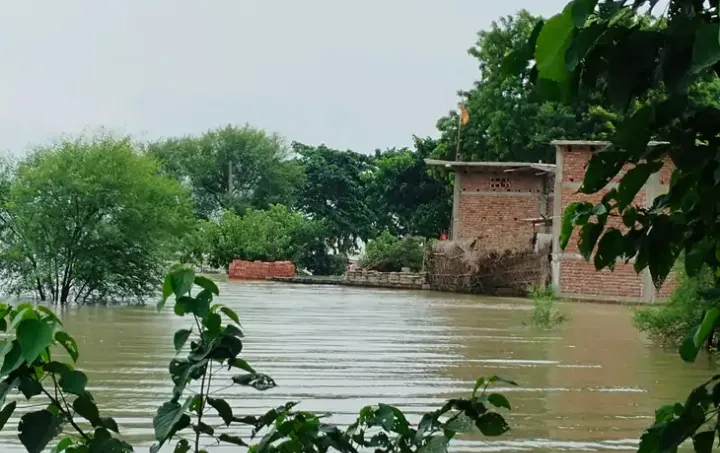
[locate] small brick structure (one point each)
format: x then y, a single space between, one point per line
403 280
518 205
572 276
498 200
260 270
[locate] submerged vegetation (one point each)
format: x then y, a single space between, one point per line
545 313
35 365
668 324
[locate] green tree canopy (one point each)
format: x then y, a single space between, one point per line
335 191
405 197
274 234
508 121
89 219
257 164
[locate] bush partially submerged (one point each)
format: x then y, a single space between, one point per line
545 314
668 324
388 253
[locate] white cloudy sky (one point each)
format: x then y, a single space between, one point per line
352 74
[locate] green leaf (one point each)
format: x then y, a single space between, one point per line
180 338
34 336
37 429
610 248
183 446
552 44
436 444
109 423
242 364
49 313
29 386
181 280
233 331
568 223
581 10
603 166
12 360
167 291
696 257
235 440
461 424
213 323
633 181
494 379
73 382
634 133
589 235
86 408
207 284
706 49
661 249
230 314
6 413
56 367
692 344
169 419
492 424
498 400
69 343
703 442
223 409
63 445
258 381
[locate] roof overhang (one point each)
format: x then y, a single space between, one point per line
507 167
595 143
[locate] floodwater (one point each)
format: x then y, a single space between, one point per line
591 385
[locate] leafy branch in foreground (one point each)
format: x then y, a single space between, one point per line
215 347
649 73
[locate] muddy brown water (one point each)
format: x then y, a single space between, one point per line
591 385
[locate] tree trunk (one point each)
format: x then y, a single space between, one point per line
40 290
65 292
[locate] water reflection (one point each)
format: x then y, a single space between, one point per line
589 386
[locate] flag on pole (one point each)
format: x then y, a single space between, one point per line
464 115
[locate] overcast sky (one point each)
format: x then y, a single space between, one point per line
351 74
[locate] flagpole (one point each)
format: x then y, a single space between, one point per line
457 150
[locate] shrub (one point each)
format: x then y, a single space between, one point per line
388 253
668 324
545 314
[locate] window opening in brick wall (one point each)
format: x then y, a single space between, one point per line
499 183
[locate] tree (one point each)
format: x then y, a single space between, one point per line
231 168
508 121
406 199
89 220
651 74
334 191
275 234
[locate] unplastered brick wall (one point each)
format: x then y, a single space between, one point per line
572 275
496 205
260 270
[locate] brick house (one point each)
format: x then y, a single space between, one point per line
572 276
507 201
499 200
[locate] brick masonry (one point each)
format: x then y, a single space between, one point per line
496 205
402 280
573 277
260 270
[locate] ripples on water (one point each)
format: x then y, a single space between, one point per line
589 386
